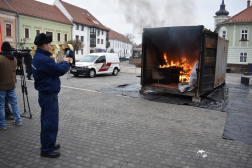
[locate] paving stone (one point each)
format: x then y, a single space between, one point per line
104 130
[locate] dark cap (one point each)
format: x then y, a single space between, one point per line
6 46
42 39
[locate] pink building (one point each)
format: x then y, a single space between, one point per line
8 28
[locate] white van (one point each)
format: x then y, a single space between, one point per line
97 63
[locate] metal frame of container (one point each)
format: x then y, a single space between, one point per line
212 61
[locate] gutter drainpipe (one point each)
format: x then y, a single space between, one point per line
18 31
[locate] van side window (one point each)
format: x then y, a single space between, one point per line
101 59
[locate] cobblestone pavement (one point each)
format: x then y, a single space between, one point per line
103 130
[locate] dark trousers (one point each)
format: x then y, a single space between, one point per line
28 70
49 121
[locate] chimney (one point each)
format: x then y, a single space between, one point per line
248 3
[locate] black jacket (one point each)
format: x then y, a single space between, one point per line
27 59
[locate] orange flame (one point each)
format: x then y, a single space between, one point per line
184 75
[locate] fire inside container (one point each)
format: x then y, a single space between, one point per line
173 55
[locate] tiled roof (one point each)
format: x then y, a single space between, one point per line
114 35
82 16
35 9
243 16
139 46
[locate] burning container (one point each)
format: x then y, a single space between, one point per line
172 52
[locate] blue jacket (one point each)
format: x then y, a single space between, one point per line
46 72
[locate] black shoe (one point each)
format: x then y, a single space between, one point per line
57 146
29 78
9 117
50 155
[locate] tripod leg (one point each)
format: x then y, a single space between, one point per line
26 94
23 90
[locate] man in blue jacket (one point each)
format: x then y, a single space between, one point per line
46 74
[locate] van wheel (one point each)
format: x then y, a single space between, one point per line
91 73
115 71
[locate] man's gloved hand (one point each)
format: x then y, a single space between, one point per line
67 59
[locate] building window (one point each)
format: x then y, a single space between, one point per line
27 33
243 57
8 30
37 32
82 28
98 32
92 31
108 44
76 51
98 41
77 27
224 34
92 37
77 38
65 37
101 41
82 38
49 33
81 51
244 35
58 36
101 32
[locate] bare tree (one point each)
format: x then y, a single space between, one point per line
130 37
77 44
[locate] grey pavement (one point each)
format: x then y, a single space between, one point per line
233 78
103 130
126 64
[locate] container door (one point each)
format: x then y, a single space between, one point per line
208 61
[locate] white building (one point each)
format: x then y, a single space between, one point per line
86 28
221 15
119 44
236 29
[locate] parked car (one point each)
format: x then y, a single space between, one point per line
97 63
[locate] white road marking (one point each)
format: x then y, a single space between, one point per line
69 87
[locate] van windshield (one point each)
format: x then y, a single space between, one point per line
89 58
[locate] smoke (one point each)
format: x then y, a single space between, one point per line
158 13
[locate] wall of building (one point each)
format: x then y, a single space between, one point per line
236 45
8 18
101 47
120 48
219 19
85 34
34 24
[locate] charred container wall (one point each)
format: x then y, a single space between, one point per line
193 42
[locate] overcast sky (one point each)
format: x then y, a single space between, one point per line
131 16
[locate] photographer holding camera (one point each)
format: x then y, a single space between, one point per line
46 75
8 66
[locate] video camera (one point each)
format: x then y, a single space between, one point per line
69 52
19 55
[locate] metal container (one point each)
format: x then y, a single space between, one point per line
174 50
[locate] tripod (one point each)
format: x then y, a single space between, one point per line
20 71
